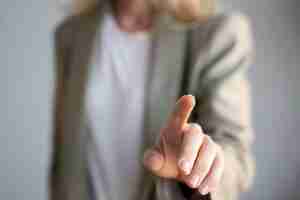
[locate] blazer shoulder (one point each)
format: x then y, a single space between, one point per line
66 30
221 31
222 44
234 27
234 20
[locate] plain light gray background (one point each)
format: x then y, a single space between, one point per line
26 82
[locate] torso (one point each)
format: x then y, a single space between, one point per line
115 107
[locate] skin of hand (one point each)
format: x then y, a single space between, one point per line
185 153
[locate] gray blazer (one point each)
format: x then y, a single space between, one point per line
207 59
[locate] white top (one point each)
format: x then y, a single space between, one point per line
115 109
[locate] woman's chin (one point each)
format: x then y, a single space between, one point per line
134 24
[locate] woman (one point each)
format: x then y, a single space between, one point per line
121 66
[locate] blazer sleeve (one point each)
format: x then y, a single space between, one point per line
219 82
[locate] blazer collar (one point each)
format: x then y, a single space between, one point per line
164 79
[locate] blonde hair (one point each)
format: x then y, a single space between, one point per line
81 6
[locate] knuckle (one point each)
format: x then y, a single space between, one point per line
190 148
220 151
194 136
205 143
221 160
209 140
186 153
203 167
213 182
206 166
211 145
196 128
164 130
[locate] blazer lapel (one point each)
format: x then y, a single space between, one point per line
75 126
163 85
165 77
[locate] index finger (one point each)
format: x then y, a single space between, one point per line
180 115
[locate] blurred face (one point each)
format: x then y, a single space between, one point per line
184 10
137 14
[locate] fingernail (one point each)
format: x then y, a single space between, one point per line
184 166
190 95
194 181
195 126
204 190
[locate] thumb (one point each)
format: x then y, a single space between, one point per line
153 160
